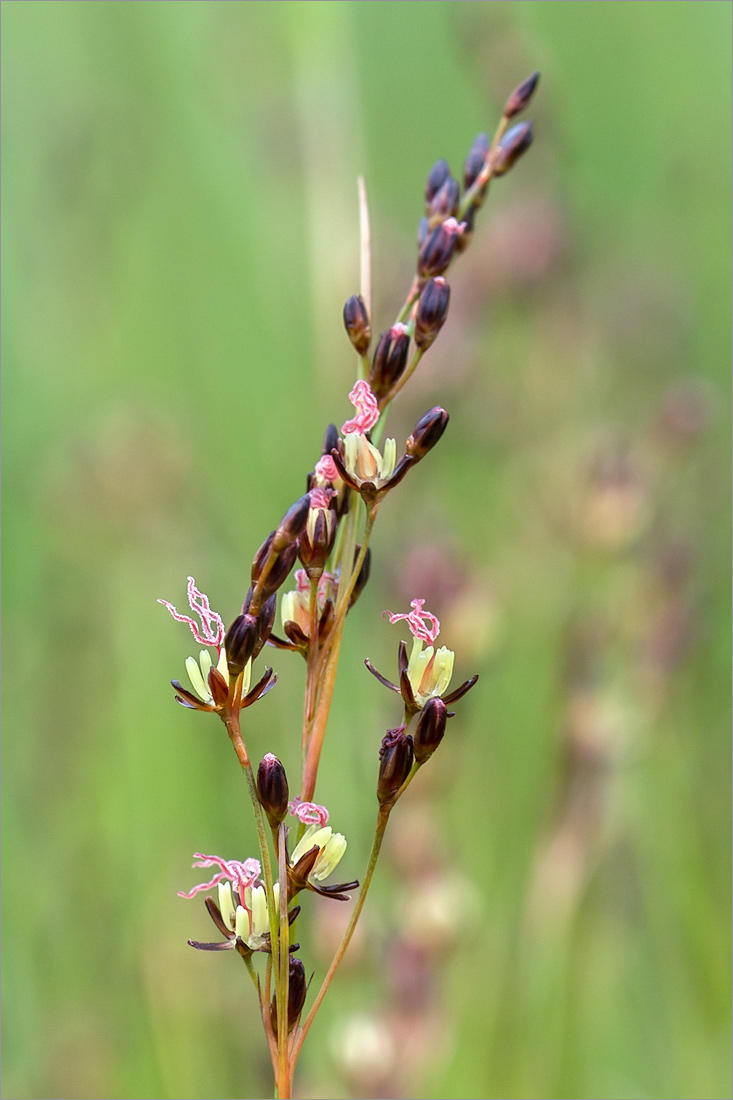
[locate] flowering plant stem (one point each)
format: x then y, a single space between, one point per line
322 529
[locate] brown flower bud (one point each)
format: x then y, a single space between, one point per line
444 203
395 763
430 729
272 789
515 142
437 176
475 160
432 310
390 359
358 328
426 433
438 248
240 641
265 623
297 990
292 523
423 228
521 96
330 439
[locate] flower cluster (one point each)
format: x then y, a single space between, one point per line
323 538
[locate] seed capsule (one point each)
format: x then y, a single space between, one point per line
240 641
426 433
430 729
356 321
432 311
390 359
515 142
521 96
444 203
475 160
292 523
437 250
272 789
297 990
395 763
437 176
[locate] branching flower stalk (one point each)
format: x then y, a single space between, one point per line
328 533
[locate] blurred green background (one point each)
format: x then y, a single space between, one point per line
552 915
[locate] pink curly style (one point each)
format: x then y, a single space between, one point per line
308 813
320 497
367 409
326 468
422 624
241 874
211 631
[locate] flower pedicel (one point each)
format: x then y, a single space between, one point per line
328 531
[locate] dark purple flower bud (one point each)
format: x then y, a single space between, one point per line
395 763
330 439
272 789
260 558
280 570
423 229
430 729
390 359
358 328
437 176
521 96
444 203
437 251
292 523
361 580
432 311
515 142
265 623
475 160
240 641
297 990
426 433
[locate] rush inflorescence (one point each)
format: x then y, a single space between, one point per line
325 538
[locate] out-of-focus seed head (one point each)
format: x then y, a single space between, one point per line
437 176
438 248
511 147
390 359
395 762
423 229
358 327
426 433
521 96
240 641
272 789
444 203
430 729
292 523
476 159
297 991
432 311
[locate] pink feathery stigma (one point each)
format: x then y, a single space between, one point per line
422 624
320 497
232 870
211 631
452 226
308 813
367 409
326 468
302 583
326 579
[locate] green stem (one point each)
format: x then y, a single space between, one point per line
231 721
283 970
325 672
382 819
